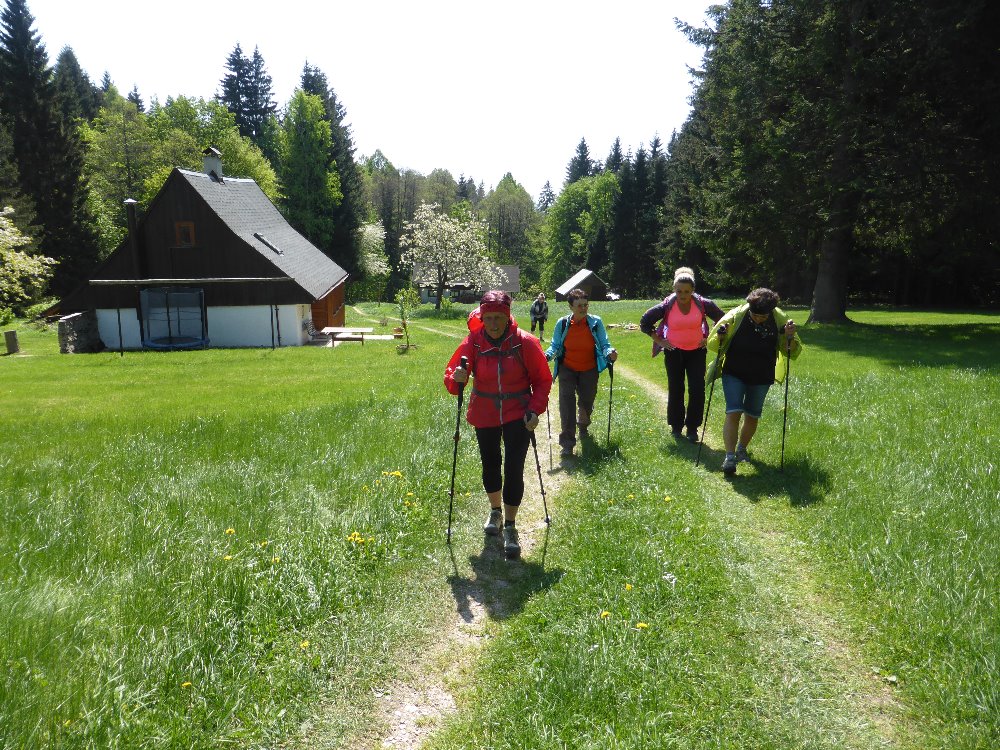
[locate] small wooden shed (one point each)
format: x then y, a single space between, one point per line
586 280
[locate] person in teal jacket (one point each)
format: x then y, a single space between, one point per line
581 350
751 342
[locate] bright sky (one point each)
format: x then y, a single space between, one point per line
477 88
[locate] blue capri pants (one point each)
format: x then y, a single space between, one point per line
743 397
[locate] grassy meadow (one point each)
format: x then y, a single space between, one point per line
219 548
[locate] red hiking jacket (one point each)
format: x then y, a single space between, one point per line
507 380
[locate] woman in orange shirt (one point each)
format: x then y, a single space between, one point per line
582 352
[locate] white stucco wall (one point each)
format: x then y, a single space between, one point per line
227 326
107 326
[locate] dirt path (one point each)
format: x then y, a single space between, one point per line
484 588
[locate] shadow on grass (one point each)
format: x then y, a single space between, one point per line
968 345
499 586
803 480
594 454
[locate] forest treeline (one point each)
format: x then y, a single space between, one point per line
837 150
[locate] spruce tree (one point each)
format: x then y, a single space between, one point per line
234 88
260 104
615 158
546 198
580 165
79 99
350 213
10 190
136 99
49 156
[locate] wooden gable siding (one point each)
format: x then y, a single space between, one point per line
330 311
217 251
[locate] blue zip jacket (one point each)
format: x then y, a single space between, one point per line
602 347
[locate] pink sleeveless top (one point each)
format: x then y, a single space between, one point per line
684 331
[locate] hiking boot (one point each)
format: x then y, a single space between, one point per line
511 546
692 434
741 453
729 464
494 522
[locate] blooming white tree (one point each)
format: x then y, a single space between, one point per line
23 277
374 261
448 251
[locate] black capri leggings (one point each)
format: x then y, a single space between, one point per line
515 438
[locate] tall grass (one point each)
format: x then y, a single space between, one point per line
201 543
202 546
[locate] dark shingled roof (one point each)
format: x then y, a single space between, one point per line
249 213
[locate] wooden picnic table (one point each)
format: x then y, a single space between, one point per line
347 333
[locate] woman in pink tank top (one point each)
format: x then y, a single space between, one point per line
681 335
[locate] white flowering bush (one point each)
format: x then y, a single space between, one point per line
23 277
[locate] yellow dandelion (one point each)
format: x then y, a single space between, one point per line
304 645
276 559
228 557
396 474
631 496
628 586
67 722
230 531
409 494
185 685
667 498
605 615
264 544
641 625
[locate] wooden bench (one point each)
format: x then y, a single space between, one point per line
347 333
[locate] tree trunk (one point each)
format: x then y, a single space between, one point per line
829 303
440 292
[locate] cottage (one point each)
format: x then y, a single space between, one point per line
212 262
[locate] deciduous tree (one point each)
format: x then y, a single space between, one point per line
447 250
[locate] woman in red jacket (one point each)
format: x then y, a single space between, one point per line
510 388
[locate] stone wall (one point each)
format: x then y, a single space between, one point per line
78 333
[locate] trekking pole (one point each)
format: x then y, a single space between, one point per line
784 421
548 418
541 486
708 407
611 394
464 364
